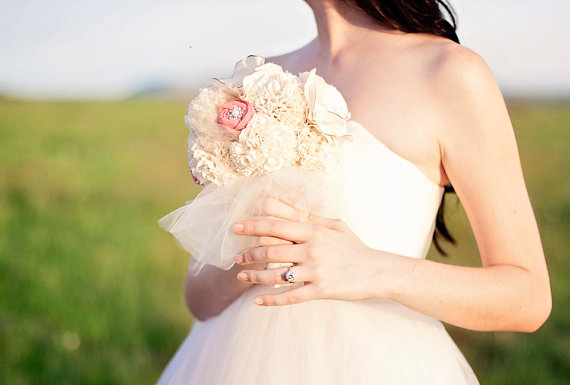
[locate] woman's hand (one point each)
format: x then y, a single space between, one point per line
209 293
328 257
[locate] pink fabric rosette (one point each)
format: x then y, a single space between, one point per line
235 115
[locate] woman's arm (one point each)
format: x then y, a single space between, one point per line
480 157
511 291
496 297
214 289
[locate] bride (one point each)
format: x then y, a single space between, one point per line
362 304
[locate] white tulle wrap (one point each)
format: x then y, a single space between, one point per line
203 227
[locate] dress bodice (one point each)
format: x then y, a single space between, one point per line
392 205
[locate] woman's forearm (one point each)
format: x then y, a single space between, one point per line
500 297
214 289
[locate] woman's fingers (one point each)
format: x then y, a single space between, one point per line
274 276
281 208
297 295
331 223
270 241
292 231
273 253
273 207
287 229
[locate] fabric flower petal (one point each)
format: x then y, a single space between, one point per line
326 107
259 72
242 68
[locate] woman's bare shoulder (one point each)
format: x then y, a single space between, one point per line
284 60
290 59
463 101
461 84
455 70
278 59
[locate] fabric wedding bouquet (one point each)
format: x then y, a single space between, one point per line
262 133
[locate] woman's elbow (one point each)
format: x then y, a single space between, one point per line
539 311
542 314
198 312
201 311
200 308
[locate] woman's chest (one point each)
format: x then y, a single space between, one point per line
395 100
402 114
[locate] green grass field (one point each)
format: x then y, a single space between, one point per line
91 287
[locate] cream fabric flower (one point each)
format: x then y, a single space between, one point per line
317 152
242 68
277 94
299 120
263 146
326 107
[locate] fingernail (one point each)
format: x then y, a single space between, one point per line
242 276
239 258
258 301
238 227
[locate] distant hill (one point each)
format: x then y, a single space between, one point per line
164 91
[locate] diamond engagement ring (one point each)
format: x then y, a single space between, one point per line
290 275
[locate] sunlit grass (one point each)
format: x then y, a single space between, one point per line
91 287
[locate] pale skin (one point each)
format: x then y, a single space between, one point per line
437 104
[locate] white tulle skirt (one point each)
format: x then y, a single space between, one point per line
317 342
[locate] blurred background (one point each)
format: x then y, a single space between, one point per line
93 152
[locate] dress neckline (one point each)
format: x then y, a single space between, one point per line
390 151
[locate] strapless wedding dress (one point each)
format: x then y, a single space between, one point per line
392 208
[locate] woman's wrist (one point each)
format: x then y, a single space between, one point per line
387 273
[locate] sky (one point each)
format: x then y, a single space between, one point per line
99 49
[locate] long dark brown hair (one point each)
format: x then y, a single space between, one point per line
435 17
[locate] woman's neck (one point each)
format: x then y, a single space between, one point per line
342 28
